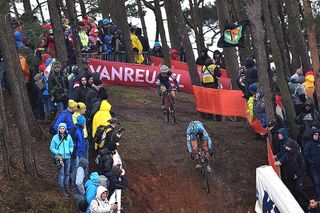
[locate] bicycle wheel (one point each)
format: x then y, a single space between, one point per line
166 114
206 178
173 117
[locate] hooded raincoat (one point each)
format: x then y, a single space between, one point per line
101 117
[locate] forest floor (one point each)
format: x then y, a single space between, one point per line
162 178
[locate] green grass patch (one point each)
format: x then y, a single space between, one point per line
129 95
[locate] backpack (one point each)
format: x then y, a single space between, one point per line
51 128
100 135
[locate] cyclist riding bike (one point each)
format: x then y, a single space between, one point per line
196 130
165 85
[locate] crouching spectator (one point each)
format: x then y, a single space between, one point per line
101 203
294 167
117 179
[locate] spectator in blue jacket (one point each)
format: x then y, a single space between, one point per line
311 154
78 139
92 185
66 116
62 147
107 47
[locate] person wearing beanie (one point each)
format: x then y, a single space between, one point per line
79 145
157 50
219 59
174 55
117 179
95 44
66 116
298 93
311 153
108 136
58 86
294 167
203 57
91 186
81 110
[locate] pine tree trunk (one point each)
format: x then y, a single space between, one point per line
141 16
198 31
185 41
119 17
16 13
60 44
258 33
162 32
312 39
18 89
5 140
172 26
279 60
297 41
73 21
230 53
105 8
26 5
82 8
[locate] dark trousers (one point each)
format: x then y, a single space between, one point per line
296 188
315 176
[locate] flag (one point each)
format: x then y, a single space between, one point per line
233 34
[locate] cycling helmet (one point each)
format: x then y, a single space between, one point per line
164 69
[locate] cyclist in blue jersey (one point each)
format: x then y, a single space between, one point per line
196 130
164 83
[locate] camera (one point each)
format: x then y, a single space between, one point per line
121 130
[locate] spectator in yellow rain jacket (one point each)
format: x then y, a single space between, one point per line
309 86
101 117
136 46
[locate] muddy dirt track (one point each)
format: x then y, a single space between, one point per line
161 176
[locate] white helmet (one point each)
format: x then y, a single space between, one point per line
164 69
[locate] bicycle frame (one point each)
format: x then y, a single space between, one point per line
169 104
204 164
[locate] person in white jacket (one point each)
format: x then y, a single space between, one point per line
101 204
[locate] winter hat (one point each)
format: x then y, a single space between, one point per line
309 73
253 88
291 144
249 62
45 57
55 64
81 120
174 51
103 94
81 106
157 44
117 170
114 121
83 163
105 22
103 181
72 104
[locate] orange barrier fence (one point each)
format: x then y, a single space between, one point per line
270 158
220 102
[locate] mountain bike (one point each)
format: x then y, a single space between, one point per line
169 110
203 171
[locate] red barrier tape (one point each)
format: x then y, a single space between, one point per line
271 161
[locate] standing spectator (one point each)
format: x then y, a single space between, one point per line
61 147
93 93
66 116
306 118
311 89
157 50
311 154
174 55
117 179
110 136
182 55
84 39
282 136
89 78
73 79
251 72
107 47
143 40
101 117
58 86
46 99
95 43
79 94
218 59
202 57
101 203
81 175
136 46
298 93
43 65
294 167
106 158
79 145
